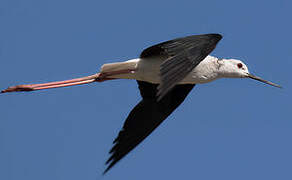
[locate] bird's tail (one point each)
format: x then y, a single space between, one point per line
117 66
120 70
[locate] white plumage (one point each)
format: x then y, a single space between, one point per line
210 69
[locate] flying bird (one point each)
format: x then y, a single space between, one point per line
165 74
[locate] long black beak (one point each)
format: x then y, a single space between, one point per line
262 80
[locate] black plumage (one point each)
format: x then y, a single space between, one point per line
181 56
145 117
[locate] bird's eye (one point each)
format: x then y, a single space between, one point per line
239 65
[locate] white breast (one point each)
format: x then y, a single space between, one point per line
206 71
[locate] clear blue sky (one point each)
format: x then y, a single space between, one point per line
229 129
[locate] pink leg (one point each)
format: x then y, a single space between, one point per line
99 77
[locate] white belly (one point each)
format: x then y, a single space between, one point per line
148 70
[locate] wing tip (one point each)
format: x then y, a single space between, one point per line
216 36
106 170
110 162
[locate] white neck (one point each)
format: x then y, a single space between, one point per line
212 68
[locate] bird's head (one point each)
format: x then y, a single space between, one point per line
233 68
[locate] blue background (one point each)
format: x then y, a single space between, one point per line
228 129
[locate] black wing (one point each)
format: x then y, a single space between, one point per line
145 117
182 56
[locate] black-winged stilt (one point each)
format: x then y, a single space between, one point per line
165 73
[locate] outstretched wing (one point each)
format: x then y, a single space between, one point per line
145 117
182 56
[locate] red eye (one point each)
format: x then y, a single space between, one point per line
239 65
